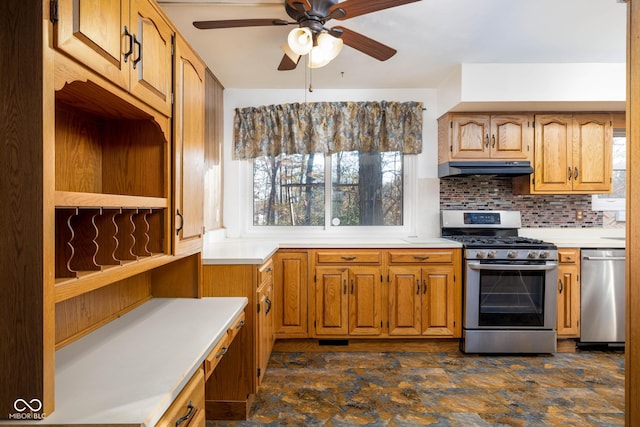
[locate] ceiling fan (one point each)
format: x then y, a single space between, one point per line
311 17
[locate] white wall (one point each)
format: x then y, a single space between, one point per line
237 202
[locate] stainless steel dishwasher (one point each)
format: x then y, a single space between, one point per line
602 296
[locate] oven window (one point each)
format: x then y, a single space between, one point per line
511 298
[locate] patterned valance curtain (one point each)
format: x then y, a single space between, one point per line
327 127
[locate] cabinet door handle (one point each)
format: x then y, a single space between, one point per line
424 286
560 286
179 229
139 58
486 140
268 301
269 270
240 325
222 353
569 173
128 53
352 287
348 258
190 412
344 285
493 141
417 286
575 173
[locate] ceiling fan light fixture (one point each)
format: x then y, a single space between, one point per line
300 40
327 47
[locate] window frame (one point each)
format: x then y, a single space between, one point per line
408 210
614 203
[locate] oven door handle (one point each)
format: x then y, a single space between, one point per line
536 267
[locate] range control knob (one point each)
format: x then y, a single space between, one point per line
491 254
512 254
532 254
480 254
544 254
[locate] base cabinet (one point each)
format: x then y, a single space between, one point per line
425 298
290 292
568 293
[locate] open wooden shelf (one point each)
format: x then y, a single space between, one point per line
81 199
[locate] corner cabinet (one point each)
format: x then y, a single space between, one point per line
467 136
425 293
188 149
568 293
127 41
573 155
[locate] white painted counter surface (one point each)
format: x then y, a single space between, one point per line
257 251
130 370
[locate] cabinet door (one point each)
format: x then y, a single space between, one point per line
365 301
93 33
188 151
151 60
265 338
404 301
291 294
511 137
592 152
553 153
470 136
331 301
569 293
438 301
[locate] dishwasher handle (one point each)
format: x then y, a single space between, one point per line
604 258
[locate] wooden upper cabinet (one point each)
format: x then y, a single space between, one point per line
151 63
188 119
93 33
126 41
485 137
573 154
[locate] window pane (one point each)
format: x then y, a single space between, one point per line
366 188
288 190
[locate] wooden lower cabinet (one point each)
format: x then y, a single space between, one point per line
424 301
230 390
568 293
348 301
187 410
290 292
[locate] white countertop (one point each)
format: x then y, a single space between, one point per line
130 370
578 237
258 250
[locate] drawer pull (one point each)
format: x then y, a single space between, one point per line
222 353
240 325
190 412
348 258
269 270
421 257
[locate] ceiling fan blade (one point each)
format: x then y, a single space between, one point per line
366 45
353 8
287 63
234 23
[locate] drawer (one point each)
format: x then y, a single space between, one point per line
568 256
420 257
265 271
235 328
187 410
216 354
348 257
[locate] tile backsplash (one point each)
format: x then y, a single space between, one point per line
488 192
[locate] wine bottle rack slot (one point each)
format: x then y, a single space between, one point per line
92 239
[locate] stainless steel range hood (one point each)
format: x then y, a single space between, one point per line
499 168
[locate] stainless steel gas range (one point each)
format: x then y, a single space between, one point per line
509 283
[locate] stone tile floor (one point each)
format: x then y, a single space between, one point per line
440 389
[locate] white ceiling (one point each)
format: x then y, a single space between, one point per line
431 36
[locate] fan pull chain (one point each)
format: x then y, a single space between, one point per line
310 73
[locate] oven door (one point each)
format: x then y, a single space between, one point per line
510 295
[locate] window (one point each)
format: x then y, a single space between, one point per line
365 189
615 201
